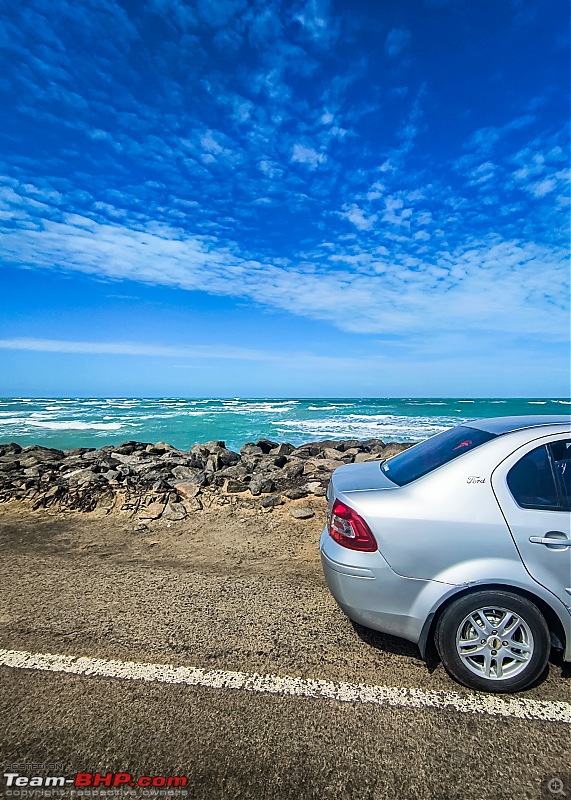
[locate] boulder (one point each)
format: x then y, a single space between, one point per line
271 501
331 453
284 449
185 473
266 445
43 453
293 469
174 511
234 486
82 477
251 449
261 484
228 457
296 493
11 448
187 489
153 510
199 455
214 445
316 488
13 465
374 445
127 448
303 512
239 472
392 448
306 451
212 463
161 486
250 462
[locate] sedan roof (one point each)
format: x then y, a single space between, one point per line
499 425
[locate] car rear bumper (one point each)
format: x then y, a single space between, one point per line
369 592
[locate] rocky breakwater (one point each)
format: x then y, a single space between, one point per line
157 481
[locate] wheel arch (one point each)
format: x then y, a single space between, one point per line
559 637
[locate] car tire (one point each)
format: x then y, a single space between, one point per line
493 641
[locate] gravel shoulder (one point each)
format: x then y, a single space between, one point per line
240 589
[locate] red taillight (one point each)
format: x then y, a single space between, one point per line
349 529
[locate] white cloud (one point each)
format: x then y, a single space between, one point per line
307 155
542 188
358 217
505 287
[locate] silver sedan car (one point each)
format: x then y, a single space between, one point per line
463 540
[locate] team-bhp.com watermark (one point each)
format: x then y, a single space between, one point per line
87 784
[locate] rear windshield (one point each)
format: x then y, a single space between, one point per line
434 452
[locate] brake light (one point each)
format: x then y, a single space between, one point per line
349 529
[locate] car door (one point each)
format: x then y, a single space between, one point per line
532 488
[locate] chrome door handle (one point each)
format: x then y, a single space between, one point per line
560 541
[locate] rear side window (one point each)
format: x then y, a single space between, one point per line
542 478
532 481
561 456
434 452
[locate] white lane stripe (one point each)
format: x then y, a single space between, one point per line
520 708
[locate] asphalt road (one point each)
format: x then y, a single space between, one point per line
233 592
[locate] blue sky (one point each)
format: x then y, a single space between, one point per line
233 197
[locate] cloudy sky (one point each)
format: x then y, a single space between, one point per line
297 198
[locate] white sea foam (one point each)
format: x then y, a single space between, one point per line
431 402
328 408
369 426
258 408
72 425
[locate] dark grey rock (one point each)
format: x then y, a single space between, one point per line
250 462
239 472
266 445
13 465
77 451
251 449
161 485
296 493
234 486
261 484
185 473
392 448
271 501
82 477
302 512
214 445
43 453
11 448
187 490
284 449
174 511
294 469
228 457
374 445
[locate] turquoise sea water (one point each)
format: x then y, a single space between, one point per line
71 422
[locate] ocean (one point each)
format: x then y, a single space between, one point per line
82 422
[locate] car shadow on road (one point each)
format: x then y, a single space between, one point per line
556 660
396 646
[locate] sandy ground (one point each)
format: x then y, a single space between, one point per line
237 589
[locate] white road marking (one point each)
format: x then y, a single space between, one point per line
520 708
